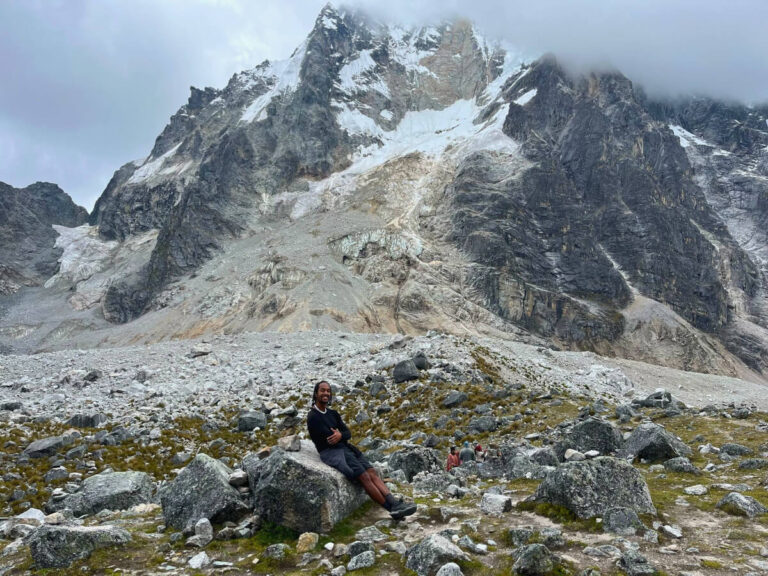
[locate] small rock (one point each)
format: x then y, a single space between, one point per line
290 443
307 542
363 560
495 504
199 561
697 490
450 569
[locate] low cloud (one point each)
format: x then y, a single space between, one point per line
88 84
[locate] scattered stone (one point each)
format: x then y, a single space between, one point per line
534 560
405 371
46 446
307 542
370 534
10 406
298 491
573 456
276 551
591 487
590 434
659 399
238 478
740 505
363 560
697 490
653 443
201 490
454 398
358 547
733 449
203 534
672 531
635 564
60 546
86 420
106 491
251 420
622 521
57 473
289 443
420 361
495 504
681 464
415 459
450 569
427 556
753 464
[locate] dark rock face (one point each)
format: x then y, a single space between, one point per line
113 491
591 434
60 546
201 490
652 442
297 490
46 446
591 487
607 204
27 251
87 420
415 459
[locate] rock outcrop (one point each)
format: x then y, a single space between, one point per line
60 546
298 491
201 490
592 487
107 491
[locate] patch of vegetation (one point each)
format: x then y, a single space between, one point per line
561 515
714 564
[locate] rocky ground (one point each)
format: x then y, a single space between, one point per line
115 460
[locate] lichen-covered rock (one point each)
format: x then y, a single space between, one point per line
362 560
740 505
590 488
495 504
87 420
622 521
404 371
590 434
201 490
426 557
46 446
297 490
107 491
414 459
681 464
534 560
652 442
59 546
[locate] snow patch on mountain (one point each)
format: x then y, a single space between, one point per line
84 254
151 167
527 97
686 138
284 75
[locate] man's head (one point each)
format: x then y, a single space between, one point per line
466 443
453 449
322 394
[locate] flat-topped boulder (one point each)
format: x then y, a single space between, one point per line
201 490
107 491
297 490
590 434
591 487
60 546
47 446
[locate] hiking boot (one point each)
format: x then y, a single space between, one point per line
402 509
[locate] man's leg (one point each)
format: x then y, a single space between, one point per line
377 481
372 489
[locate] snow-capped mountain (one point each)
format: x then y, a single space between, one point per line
388 179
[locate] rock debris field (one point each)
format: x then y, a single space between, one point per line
192 457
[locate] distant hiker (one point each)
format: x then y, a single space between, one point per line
479 454
466 454
453 460
331 438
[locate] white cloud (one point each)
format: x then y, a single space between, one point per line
90 83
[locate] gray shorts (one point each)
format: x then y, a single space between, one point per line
347 460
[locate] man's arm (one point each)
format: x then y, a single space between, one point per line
345 433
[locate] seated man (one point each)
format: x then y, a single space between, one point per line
331 438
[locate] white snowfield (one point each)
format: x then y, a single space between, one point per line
686 138
84 254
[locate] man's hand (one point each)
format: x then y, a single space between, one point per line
334 438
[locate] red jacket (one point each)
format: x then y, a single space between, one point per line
453 460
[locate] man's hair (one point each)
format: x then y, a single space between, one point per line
317 386
453 448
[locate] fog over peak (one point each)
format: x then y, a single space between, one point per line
88 84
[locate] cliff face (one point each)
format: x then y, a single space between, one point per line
28 255
384 179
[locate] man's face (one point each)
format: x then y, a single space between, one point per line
324 393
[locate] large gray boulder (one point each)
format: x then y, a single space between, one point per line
297 490
534 560
590 434
107 491
653 443
404 371
414 459
87 420
741 505
59 546
46 446
591 487
426 557
201 490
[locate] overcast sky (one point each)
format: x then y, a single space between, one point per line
87 85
